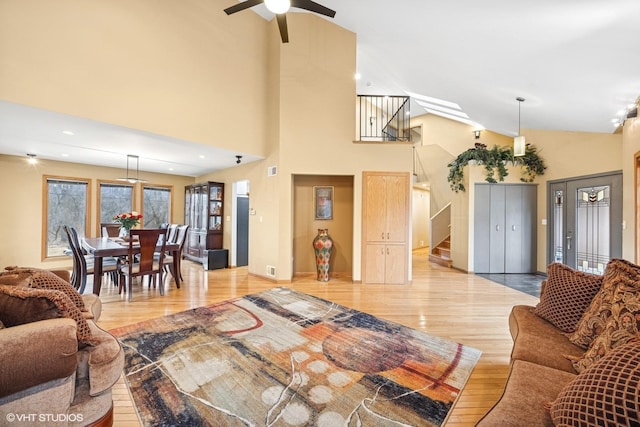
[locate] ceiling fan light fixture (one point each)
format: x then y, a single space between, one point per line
277 6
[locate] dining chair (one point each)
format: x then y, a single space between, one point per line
180 239
140 260
83 264
109 229
172 230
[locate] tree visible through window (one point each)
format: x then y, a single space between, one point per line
156 202
114 199
66 203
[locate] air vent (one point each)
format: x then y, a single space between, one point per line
272 171
271 271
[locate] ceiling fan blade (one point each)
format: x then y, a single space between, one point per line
282 25
242 6
313 7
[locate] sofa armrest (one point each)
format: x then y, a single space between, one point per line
35 353
93 305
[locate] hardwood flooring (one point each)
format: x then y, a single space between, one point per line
440 301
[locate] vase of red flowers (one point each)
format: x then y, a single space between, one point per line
127 221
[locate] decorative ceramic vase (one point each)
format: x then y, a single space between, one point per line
323 246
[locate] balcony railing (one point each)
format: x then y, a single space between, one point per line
383 118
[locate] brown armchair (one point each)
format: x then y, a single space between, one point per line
55 360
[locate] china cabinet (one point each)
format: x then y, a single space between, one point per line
203 212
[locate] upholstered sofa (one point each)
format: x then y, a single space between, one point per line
57 366
576 356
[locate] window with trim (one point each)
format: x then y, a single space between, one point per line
156 205
114 199
66 203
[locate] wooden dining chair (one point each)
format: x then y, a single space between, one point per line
83 263
109 229
140 260
180 239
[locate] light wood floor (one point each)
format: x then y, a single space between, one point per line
440 301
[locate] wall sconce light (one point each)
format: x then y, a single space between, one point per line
238 159
476 134
32 158
519 143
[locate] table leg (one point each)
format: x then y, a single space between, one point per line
97 274
176 267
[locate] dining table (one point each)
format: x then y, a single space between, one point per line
101 247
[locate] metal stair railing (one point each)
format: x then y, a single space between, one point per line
383 118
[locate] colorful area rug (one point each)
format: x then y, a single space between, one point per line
284 358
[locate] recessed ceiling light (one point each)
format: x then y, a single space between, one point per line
357 76
68 132
171 169
64 155
201 156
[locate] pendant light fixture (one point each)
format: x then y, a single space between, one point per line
519 143
130 179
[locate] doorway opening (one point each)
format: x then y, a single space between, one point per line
240 224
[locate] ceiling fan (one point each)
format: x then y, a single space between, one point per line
280 8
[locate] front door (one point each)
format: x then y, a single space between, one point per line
585 221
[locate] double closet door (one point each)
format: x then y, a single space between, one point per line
385 210
505 228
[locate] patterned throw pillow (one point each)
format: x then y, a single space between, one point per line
623 325
43 279
605 394
594 320
566 296
20 305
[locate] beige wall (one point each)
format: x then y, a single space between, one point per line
340 227
313 135
442 141
182 69
22 217
420 213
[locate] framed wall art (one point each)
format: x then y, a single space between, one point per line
323 202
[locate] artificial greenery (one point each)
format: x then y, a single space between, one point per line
494 160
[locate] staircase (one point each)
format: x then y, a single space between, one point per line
441 254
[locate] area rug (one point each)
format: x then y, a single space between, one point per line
284 358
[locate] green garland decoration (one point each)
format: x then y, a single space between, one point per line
494 160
